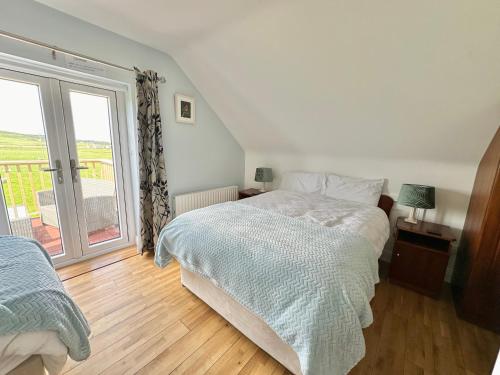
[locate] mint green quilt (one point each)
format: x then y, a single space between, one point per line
32 298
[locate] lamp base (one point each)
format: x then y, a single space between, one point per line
411 217
411 221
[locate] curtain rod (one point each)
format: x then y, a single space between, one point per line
66 51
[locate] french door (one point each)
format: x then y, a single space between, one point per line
60 165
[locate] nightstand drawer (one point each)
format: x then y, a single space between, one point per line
418 268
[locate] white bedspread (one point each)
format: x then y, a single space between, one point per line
370 222
15 349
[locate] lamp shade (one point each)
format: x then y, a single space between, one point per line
418 196
263 174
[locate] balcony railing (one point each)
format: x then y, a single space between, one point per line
22 179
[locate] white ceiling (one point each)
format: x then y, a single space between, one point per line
390 78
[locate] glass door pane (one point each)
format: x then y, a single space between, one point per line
25 163
92 127
91 121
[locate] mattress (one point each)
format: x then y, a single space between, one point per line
369 221
15 349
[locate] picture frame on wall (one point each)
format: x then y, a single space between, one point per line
184 109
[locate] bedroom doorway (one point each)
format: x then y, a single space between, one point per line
60 165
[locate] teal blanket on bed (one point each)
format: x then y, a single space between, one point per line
32 298
311 284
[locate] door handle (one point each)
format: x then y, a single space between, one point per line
75 168
58 169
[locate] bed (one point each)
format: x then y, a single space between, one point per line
294 271
39 323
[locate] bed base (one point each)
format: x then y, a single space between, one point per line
32 366
242 319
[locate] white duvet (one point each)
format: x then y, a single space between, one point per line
371 222
15 349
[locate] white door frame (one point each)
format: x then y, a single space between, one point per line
126 121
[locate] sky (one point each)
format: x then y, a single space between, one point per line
20 112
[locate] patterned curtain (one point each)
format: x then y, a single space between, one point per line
153 191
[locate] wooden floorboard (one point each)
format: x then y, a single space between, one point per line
77 269
144 322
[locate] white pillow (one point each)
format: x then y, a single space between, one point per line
354 189
303 182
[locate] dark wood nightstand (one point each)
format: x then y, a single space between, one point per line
420 256
247 193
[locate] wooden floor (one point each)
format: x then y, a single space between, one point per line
80 268
144 322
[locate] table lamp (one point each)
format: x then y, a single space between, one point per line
263 175
416 196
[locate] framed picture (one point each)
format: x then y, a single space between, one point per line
184 109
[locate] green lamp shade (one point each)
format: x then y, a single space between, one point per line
263 174
418 196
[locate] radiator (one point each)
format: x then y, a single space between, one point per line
192 201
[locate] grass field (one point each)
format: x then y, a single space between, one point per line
24 147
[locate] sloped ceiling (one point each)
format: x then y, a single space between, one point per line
391 78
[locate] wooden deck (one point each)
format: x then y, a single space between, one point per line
144 322
50 237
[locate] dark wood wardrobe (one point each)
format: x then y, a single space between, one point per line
476 276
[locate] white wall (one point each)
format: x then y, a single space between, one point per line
197 157
383 79
453 181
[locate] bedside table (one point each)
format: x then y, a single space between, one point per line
247 193
420 256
